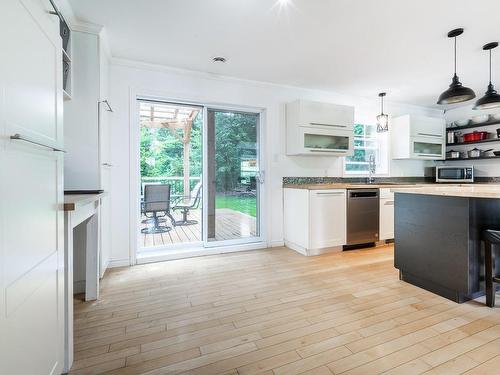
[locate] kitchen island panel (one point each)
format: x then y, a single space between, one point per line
432 243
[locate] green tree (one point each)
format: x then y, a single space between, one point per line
161 152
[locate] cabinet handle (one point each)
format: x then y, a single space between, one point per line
107 165
19 137
430 135
438 155
330 151
321 124
336 193
389 203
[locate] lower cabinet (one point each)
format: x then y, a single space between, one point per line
386 229
315 220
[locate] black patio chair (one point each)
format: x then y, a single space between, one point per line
156 205
192 204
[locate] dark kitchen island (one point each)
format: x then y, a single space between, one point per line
437 237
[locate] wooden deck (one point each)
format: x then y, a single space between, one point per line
229 225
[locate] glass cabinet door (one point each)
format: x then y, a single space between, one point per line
326 142
421 148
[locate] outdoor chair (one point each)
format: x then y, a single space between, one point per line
156 205
193 203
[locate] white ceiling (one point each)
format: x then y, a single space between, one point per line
357 47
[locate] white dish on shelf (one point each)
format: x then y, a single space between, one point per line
462 122
480 119
496 116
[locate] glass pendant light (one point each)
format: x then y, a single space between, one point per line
490 99
456 93
382 119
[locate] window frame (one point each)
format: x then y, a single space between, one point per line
379 138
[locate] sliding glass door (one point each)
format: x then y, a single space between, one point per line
170 181
200 182
233 177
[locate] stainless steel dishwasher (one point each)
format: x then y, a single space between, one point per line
362 216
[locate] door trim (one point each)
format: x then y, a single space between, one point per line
134 169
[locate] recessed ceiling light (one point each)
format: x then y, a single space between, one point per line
283 2
219 59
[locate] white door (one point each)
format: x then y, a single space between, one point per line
31 191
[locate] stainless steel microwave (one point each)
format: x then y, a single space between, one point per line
454 174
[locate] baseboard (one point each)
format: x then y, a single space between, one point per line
297 248
278 243
106 266
334 249
114 263
312 252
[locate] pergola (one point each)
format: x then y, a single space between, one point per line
172 117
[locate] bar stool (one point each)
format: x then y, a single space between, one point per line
491 238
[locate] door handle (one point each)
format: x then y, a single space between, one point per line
259 177
19 137
330 151
337 193
322 124
430 135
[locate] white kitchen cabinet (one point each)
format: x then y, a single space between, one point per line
315 220
386 229
319 129
86 135
418 137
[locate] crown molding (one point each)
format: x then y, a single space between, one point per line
141 65
86 27
363 100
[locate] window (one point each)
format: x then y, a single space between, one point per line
368 142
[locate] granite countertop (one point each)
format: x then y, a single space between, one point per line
454 190
73 201
355 186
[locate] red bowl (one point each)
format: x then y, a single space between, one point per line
475 136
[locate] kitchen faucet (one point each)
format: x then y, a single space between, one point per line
371 169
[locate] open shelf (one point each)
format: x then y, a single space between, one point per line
471 125
471 159
474 142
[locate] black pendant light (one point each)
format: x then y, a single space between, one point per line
382 119
456 93
490 99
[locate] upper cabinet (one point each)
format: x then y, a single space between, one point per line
314 128
86 133
418 137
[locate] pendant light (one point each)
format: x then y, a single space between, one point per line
382 119
456 93
490 99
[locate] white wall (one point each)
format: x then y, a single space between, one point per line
483 168
200 87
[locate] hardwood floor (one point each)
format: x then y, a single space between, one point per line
276 312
